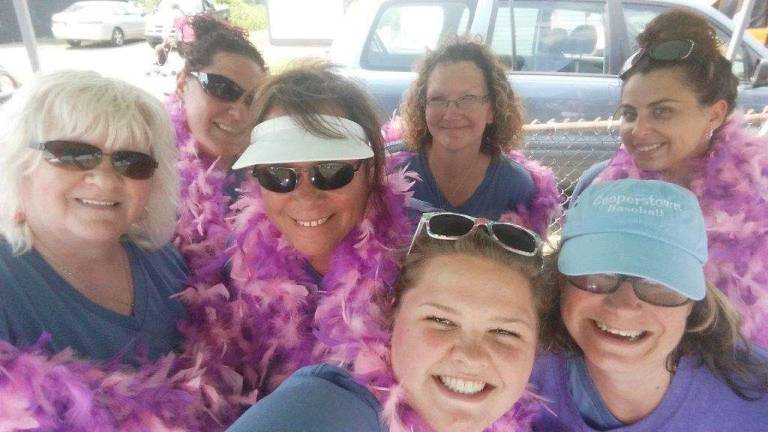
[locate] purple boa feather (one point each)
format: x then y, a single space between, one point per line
731 183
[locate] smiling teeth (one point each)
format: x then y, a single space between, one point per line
462 386
226 128
629 334
98 203
312 223
648 148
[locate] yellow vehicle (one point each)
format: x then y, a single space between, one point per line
761 34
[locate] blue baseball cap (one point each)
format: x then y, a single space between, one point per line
645 228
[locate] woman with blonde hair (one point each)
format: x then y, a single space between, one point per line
88 278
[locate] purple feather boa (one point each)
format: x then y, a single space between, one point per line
202 231
731 183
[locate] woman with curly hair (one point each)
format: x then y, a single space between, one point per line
211 114
463 121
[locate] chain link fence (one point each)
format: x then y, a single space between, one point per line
570 147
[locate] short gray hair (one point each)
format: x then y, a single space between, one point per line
69 104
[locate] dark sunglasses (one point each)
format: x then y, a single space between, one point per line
221 87
645 289
453 226
324 176
81 156
671 50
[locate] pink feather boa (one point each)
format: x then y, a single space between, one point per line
202 231
731 182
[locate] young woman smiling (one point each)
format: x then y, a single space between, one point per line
464 329
211 112
678 125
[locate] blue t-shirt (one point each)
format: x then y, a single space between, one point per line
317 398
36 299
506 184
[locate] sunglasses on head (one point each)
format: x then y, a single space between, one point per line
221 87
453 226
671 50
646 290
324 176
81 156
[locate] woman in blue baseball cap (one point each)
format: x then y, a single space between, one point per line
637 339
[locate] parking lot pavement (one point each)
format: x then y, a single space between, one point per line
132 62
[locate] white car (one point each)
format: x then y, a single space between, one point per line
113 21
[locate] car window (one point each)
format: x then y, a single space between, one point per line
638 16
564 37
402 33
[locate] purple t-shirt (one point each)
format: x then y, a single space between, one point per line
695 401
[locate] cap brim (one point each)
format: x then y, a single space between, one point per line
634 255
281 140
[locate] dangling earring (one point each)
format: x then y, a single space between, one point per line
709 134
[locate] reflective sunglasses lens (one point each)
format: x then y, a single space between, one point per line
672 50
332 175
658 294
73 154
599 284
276 179
134 165
222 87
450 225
515 238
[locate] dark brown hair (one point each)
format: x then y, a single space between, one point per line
212 36
506 131
707 72
311 87
712 336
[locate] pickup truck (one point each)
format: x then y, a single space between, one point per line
160 25
567 56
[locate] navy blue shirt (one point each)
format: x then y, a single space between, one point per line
506 185
36 299
317 398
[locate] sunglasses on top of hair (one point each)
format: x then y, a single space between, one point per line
81 156
453 226
221 87
324 176
669 50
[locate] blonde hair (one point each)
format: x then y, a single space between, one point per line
71 104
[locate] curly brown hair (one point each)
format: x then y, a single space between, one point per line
506 131
213 36
707 72
712 335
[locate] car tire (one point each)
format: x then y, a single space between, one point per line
153 42
118 37
74 42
